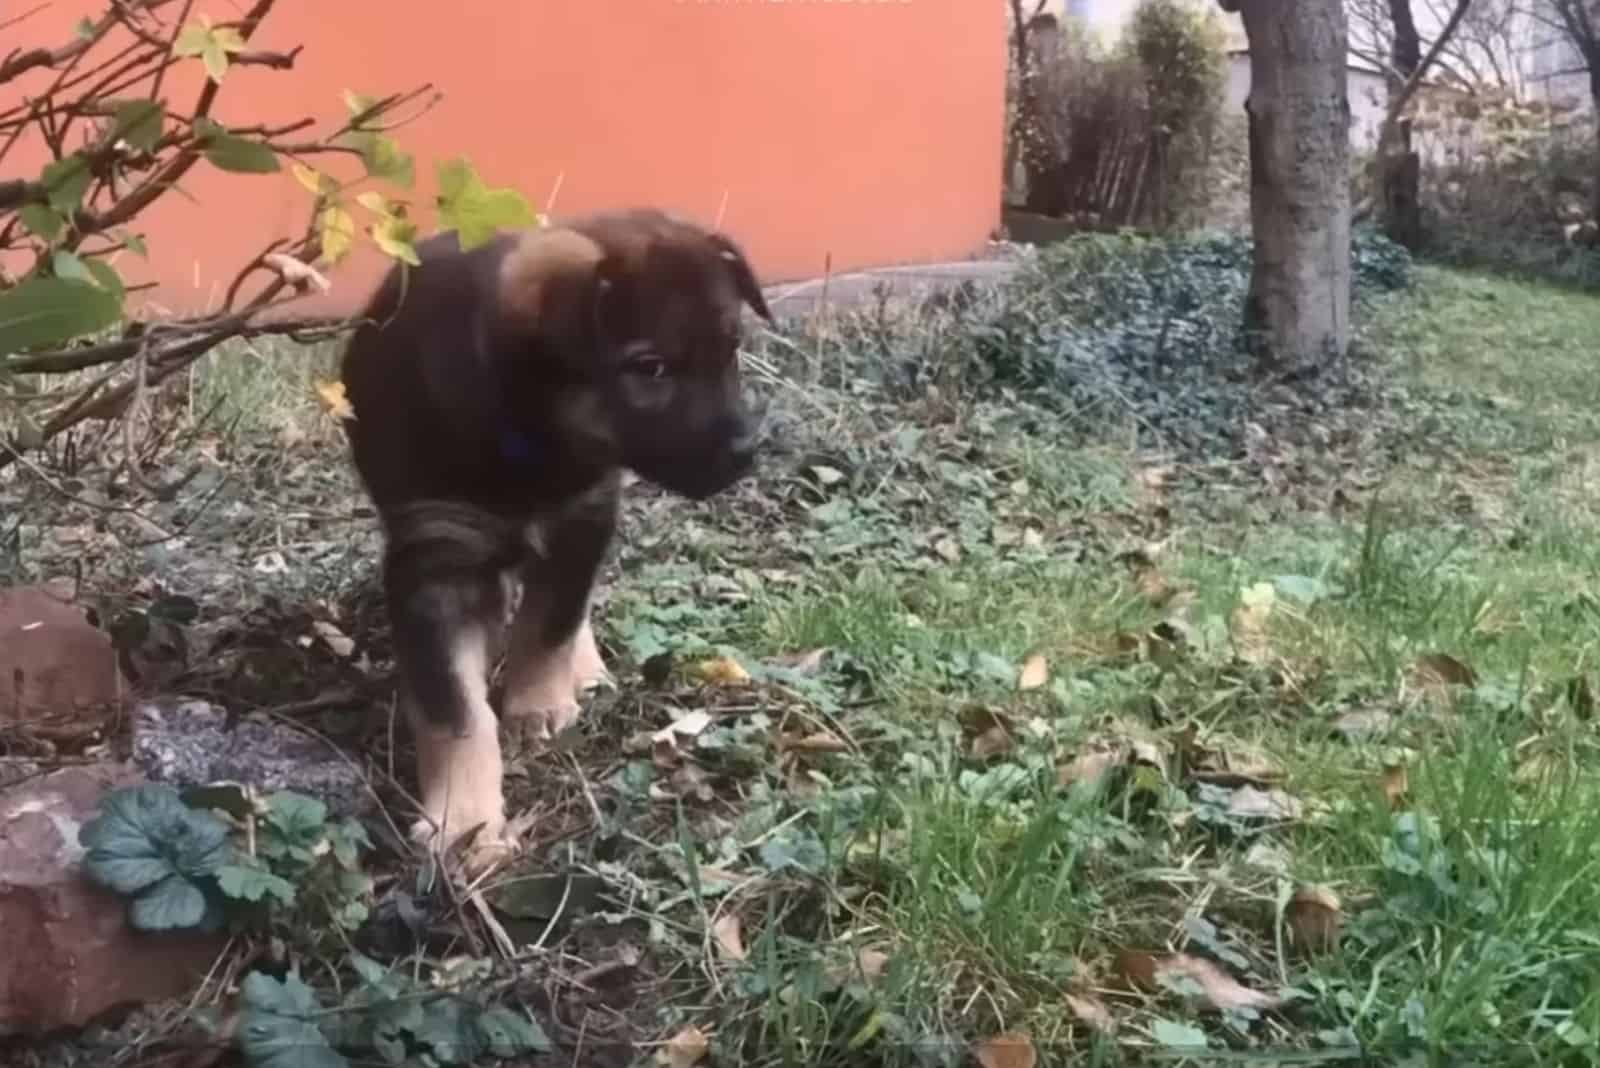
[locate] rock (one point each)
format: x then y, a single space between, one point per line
69 952
191 743
53 663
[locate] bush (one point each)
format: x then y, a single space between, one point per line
1127 136
1117 330
1502 183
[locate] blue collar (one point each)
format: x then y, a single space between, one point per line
517 448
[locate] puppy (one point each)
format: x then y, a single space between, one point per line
498 394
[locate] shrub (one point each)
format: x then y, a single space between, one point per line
1117 330
1126 136
1503 182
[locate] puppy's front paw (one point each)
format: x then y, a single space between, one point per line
490 841
588 667
530 726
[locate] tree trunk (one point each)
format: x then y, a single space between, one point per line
1592 57
1298 312
1399 168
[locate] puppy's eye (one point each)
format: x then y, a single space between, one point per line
647 366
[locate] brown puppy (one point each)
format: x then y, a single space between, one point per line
498 394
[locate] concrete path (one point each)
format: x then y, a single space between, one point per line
858 287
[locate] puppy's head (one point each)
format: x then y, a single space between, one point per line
641 315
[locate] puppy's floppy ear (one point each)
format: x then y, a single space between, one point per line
743 277
549 282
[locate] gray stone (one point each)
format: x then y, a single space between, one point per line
191 743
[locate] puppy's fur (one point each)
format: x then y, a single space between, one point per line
498 394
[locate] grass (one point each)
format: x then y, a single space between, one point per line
1340 671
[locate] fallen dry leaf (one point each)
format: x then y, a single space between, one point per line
1218 989
992 731
818 742
1089 767
687 725
996 741
1439 670
1137 968
868 964
334 638
1248 624
1362 722
806 663
684 1049
1315 918
1035 673
727 933
1009 1049
333 397
1237 767
1396 784
720 671
873 963
1092 1013
1249 803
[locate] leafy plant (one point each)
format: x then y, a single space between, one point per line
148 845
113 154
183 869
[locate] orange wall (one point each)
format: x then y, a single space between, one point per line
868 130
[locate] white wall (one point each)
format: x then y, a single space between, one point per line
1367 99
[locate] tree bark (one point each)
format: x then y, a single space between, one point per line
1399 168
1592 57
1297 315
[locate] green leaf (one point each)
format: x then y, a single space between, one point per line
136 245
49 311
253 884
508 1034
314 181
172 904
42 221
146 841
357 103
396 237
211 43
1175 1035
383 158
215 59
64 264
348 839
192 39
278 1025
338 231
298 817
85 28
447 1031
237 154
475 211
139 122
65 182
106 277
797 848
